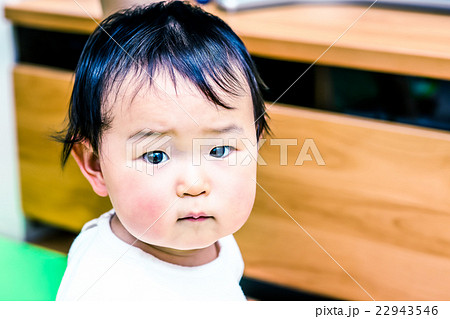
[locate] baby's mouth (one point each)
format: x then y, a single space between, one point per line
196 217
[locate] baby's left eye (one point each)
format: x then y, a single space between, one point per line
221 151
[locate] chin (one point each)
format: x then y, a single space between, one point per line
195 245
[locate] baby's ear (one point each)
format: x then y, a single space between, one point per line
89 164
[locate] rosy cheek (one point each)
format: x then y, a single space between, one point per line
239 188
150 205
246 198
143 205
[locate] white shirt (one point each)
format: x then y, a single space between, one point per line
103 267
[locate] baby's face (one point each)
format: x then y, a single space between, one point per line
180 172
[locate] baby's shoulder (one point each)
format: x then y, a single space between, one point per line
91 238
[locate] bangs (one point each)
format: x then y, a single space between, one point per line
132 46
180 49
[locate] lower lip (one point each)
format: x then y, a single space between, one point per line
198 219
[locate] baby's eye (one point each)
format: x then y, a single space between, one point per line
155 157
221 151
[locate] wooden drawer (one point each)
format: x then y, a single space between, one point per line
49 194
379 207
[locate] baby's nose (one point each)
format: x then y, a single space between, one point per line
192 182
195 189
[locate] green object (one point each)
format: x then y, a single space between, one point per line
29 272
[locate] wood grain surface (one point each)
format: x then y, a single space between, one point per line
49 194
386 40
378 209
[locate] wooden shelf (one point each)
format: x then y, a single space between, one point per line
384 40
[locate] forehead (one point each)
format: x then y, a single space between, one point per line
164 102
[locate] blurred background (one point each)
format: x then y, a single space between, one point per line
11 218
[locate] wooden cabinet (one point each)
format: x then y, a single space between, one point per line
59 197
373 219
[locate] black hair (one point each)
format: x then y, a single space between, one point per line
171 36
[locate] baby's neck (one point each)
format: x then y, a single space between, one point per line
189 258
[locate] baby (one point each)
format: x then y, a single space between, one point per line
165 117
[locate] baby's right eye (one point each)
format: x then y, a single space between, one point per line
155 157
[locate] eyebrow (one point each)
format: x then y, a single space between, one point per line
231 128
144 134
148 132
